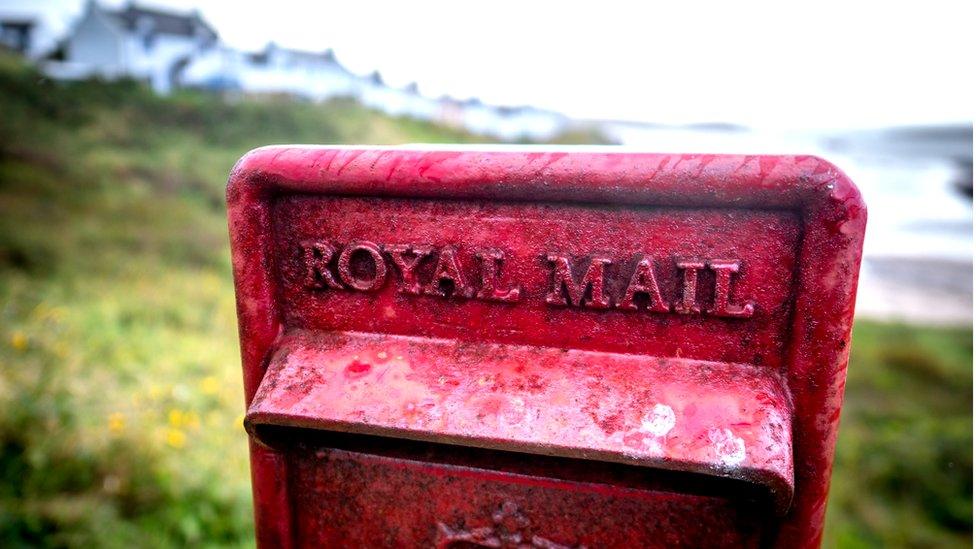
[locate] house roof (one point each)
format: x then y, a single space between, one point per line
326 57
15 22
163 22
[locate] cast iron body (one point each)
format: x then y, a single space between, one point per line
530 348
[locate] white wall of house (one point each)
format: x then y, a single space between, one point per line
450 112
421 107
480 118
318 81
153 58
529 122
328 81
98 43
307 75
392 101
219 65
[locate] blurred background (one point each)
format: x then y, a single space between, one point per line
120 391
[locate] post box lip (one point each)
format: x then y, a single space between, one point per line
307 386
831 208
779 489
300 442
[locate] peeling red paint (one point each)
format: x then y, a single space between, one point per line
357 369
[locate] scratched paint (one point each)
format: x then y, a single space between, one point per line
534 399
659 421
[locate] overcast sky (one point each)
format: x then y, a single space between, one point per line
830 64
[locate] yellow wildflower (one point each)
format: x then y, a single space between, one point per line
18 340
209 385
116 422
176 438
175 418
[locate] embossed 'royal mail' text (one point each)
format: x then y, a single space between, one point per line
582 282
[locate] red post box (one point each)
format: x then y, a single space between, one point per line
528 348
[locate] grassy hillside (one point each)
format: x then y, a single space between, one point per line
120 392
903 471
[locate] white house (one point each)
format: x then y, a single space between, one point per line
406 101
478 117
134 42
373 92
419 106
520 122
316 76
170 50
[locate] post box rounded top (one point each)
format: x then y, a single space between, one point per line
585 174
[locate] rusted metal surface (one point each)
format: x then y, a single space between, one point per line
662 325
446 504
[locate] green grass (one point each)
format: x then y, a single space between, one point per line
903 470
120 391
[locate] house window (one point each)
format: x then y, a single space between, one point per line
15 36
148 40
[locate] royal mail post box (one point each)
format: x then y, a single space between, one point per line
536 348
